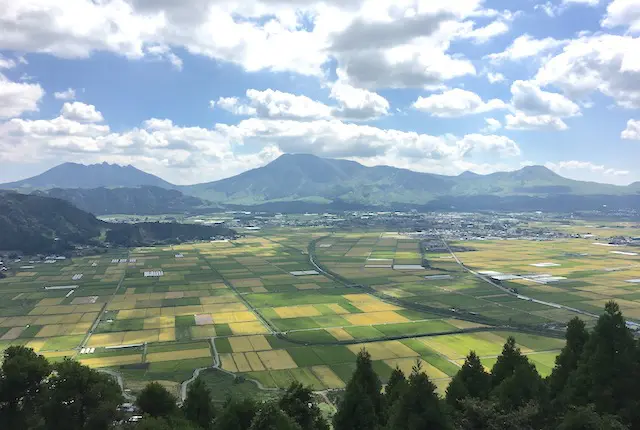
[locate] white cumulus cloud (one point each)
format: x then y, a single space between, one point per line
456 103
632 132
81 112
526 46
602 63
530 99
17 98
68 94
522 121
492 126
623 13
588 171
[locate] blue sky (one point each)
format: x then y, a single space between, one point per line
200 90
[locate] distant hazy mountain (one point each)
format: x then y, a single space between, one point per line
138 201
317 180
311 181
73 175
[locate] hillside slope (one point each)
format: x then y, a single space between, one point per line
73 175
36 224
129 201
313 179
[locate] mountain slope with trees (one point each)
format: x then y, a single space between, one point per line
41 225
295 180
309 178
145 200
74 175
35 224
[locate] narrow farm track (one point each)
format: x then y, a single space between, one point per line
120 382
102 311
494 324
216 365
272 329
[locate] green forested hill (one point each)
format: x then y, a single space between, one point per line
35 224
308 179
313 179
135 201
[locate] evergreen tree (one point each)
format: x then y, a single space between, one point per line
165 423
396 386
470 381
361 407
585 418
298 403
81 398
198 406
608 370
156 401
270 417
508 360
236 415
476 414
567 361
419 407
524 386
22 387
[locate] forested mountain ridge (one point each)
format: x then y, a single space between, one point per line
144 200
74 175
309 178
36 224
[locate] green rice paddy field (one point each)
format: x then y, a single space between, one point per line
238 304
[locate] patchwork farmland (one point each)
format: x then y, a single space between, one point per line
260 308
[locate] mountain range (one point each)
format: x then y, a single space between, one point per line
300 180
74 175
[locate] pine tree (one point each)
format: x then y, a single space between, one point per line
508 360
270 417
156 401
236 415
419 407
608 370
567 362
396 386
475 414
523 387
361 407
298 403
515 381
470 381
585 418
198 406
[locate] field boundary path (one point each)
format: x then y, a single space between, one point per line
272 330
493 325
120 381
216 366
508 291
103 310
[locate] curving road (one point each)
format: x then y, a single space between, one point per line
508 291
